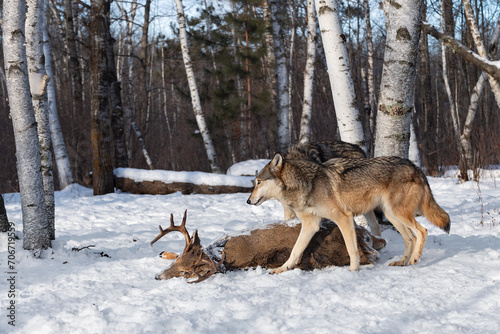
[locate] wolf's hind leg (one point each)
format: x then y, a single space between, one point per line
373 223
408 238
309 226
421 233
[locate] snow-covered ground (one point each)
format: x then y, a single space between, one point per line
109 287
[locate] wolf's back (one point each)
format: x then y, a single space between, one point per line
320 152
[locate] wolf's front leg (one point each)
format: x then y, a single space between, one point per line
345 222
310 225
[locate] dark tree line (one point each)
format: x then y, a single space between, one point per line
235 72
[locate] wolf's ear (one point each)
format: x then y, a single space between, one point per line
276 163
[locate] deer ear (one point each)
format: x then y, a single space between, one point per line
277 163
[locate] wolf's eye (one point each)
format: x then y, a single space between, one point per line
259 181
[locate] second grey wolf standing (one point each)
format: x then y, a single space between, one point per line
341 188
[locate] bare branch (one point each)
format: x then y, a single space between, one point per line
490 67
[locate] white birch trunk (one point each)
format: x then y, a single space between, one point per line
143 146
38 83
403 20
58 145
35 228
195 98
465 137
165 109
281 75
339 71
305 120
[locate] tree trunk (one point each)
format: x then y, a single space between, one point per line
144 66
195 98
58 145
291 47
371 76
398 78
38 83
128 74
281 74
4 221
270 55
74 63
117 121
429 146
465 137
142 145
101 136
344 98
305 121
29 166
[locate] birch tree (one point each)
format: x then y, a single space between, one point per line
35 227
465 136
58 145
395 105
195 98
281 74
100 135
38 80
339 72
305 120
4 221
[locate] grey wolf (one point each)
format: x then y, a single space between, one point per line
320 152
341 188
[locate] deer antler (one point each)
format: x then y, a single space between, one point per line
181 228
213 267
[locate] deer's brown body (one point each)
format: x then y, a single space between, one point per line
268 247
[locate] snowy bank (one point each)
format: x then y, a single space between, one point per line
162 182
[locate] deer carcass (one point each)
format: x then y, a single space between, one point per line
268 247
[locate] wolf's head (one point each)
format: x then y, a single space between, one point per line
268 184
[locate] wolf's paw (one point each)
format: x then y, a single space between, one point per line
399 263
278 270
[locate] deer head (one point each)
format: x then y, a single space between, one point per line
193 262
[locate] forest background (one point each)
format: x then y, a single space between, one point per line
232 59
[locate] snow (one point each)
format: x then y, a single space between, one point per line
199 178
110 287
248 167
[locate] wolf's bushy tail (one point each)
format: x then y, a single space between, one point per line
434 213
